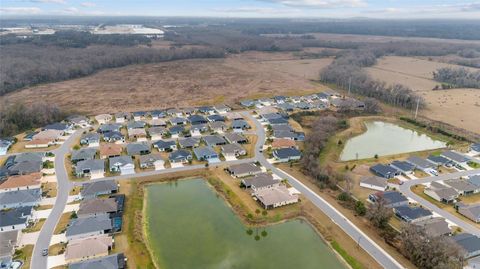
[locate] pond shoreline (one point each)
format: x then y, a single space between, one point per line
238 210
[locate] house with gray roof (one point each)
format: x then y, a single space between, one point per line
421 164
384 171
139 115
391 198
197 119
469 243
441 193
174 112
113 137
214 140
136 125
113 127
287 154
163 145
218 126
457 158
153 160
233 150
178 121
240 125
248 103
222 109
374 183
114 261
156 133
90 139
206 154
405 168
122 117
275 197
180 156
96 207
94 168
475 148
5 145
412 214
15 219
260 181
439 160
244 170
434 226
122 164
83 154
94 189
475 180
89 226
29 157
463 187
471 211
176 130
235 138
20 198
215 118
141 148
189 142
25 167
8 241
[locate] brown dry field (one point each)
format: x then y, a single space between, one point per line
458 107
180 83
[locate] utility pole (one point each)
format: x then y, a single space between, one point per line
349 85
416 110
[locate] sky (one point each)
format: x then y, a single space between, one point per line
401 9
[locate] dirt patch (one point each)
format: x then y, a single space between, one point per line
180 83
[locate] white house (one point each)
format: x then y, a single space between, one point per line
374 183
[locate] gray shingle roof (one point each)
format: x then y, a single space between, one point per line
88 225
92 165
15 216
205 153
179 155
83 154
115 261
104 186
455 156
213 140
138 148
21 196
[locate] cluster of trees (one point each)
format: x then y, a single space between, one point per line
18 117
25 65
458 77
76 39
346 72
426 251
321 130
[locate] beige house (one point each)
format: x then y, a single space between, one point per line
88 248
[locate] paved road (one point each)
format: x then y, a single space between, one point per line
377 252
405 189
63 188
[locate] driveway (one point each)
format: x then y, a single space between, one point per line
54 261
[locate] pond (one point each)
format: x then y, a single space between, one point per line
384 138
190 226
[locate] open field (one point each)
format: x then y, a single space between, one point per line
458 107
180 83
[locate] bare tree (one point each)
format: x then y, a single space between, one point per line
379 214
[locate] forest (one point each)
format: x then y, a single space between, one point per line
457 78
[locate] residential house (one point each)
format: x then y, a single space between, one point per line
412 214
441 192
235 138
439 161
422 164
463 187
206 154
90 139
158 123
347 103
234 116
248 103
87 227
197 119
287 107
198 129
215 118
469 243
189 142
152 161
122 164
94 189
114 137
139 115
174 112
275 197
218 126
157 114
122 117
20 198
139 135
391 198
79 120
114 261
374 183
15 219
39 143
266 101
214 140
471 211
90 168
405 168
475 180
287 154
21 182
278 121
156 133
279 128
110 150
240 125
136 125
260 181
244 170
384 171
83 154
5 145
103 118
295 136
25 167
178 121
8 241
180 156
63 128
233 150
206 110
222 109
88 248
162 145
280 143
110 127
457 158
280 99
96 207
475 148
434 226
176 130
189 110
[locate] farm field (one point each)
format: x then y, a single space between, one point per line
180 83
458 107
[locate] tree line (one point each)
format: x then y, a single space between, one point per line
457 77
18 117
26 64
346 72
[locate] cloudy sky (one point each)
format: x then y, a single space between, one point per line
454 9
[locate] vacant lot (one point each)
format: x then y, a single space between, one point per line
458 107
180 83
